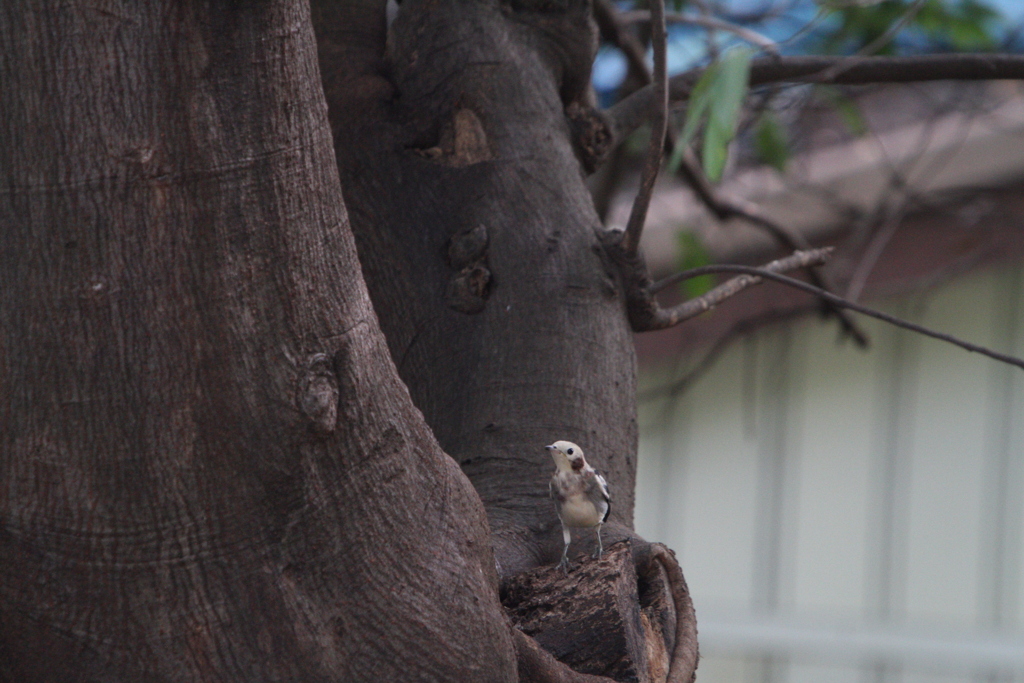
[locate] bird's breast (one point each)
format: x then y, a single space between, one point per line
579 511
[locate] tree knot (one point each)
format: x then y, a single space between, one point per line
318 397
469 288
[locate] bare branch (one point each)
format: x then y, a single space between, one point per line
871 255
644 312
612 30
729 207
659 124
752 37
632 111
840 301
890 33
611 23
690 309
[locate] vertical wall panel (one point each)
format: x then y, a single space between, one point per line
1000 530
835 466
890 424
777 471
817 493
948 458
719 488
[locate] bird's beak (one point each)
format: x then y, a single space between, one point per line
550 448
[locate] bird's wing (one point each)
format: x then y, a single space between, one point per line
602 488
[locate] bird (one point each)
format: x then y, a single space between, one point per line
580 494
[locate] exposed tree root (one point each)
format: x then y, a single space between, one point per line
685 654
627 616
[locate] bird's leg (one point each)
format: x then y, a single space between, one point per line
600 546
567 538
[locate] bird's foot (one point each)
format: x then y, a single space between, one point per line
564 564
598 553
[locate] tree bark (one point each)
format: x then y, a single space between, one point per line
470 143
486 263
590 617
211 470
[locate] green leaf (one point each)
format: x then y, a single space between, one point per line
716 101
771 142
847 109
942 24
693 254
728 92
700 99
696 105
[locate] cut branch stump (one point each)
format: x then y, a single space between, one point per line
592 618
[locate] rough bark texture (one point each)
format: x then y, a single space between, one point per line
591 617
524 341
210 468
460 151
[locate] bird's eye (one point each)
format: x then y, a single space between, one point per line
569 451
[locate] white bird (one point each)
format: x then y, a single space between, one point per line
580 494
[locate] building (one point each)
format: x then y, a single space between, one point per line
847 515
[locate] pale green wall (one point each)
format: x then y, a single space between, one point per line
869 502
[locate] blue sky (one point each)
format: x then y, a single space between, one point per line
686 45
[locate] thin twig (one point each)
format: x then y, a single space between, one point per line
614 32
659 124
721 343
876 44
713 23
729 207
751 271
890 33
871 255
816 21
670 317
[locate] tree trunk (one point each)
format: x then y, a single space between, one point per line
210 468
459 141
481 248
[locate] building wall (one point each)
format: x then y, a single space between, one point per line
851 516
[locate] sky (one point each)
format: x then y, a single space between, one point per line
687 45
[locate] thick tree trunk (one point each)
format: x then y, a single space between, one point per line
481 248
457 134
210 469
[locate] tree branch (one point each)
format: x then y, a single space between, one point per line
643 310
729 207
664 318
611 23
628 114
659 124
712 23
771 274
